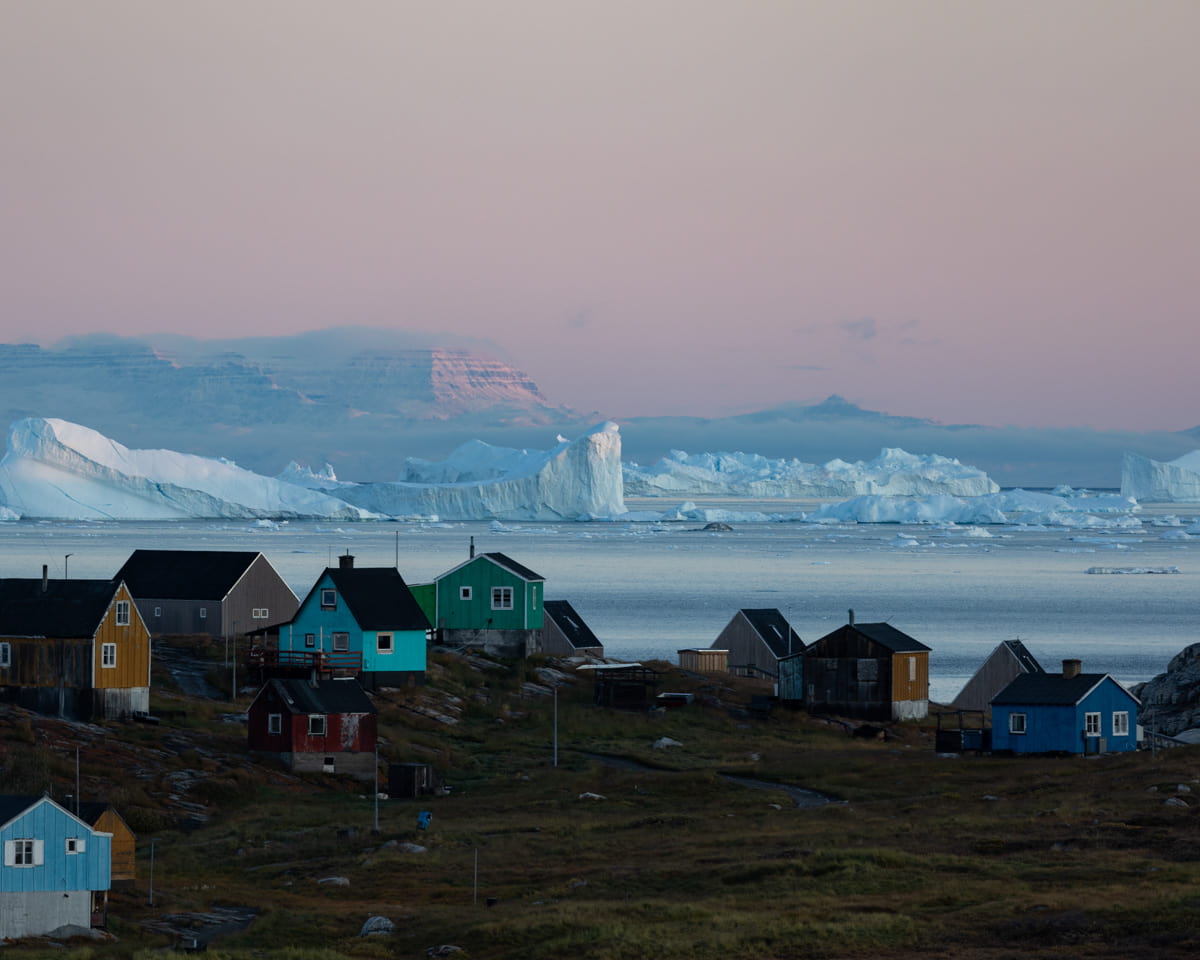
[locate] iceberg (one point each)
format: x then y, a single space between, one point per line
894 472
53 469
1153 481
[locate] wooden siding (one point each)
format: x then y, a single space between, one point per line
39 662
910 676
260 588
707 660
476 613
1054 728
181 618
58 872
124 846
791 679
553 642
746 647
132 641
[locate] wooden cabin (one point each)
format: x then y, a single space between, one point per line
104 817
867 670
315 726
73 648
1068 712
56 868
565 634
1010 659
704 660
756 639
221 593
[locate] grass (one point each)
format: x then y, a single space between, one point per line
969 857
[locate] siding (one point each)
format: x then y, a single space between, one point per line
260 587
481 575
58 872
133 648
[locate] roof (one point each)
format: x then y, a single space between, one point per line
13 805
65 609
1052 689
888 636
185 574
1026 660
378 598
776 632
501 560
578 633
328 696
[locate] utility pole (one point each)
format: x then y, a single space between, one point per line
65 559
375 781
556 724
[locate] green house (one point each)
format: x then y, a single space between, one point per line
488 601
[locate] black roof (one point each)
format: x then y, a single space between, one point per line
1021 654
776 632
328 696
578 633
185 574
510 564
888 636
378 598
1050 689
13 805
66 608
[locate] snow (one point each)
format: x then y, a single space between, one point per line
1153 481
894 472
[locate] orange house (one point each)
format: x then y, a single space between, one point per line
73 648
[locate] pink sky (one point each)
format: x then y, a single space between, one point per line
978 212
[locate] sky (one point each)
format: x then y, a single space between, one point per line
975 212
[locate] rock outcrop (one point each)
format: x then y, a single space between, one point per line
1171 701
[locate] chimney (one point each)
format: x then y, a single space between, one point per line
1071 668
851 617
45 578
471 555
346 561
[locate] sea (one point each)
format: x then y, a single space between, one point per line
650 589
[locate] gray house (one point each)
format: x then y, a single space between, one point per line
756 640
215 592
564 633
1008 661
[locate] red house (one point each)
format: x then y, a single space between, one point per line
315 726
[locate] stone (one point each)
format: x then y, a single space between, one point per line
335 881
1171 701
377 927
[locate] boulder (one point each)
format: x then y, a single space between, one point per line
1171 701
377 927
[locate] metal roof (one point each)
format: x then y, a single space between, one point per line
378 598
71 609
185 574
774 629
1052 689
578 633
326 696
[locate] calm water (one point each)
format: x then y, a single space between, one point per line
648 590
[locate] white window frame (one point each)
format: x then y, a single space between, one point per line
5 654
274 723
75 845
1091 724
1018 723
317 725
912 669
122 613
24 852
502 598
204 613
158 611
341 642
108 656
328 598
384 643
464 593
1120 723
260 613
310 640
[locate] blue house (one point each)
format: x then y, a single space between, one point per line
361 622
54 866
1071 712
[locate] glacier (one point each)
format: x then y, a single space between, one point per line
1153 481
894 472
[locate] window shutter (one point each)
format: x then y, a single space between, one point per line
80 845
10 855
39 852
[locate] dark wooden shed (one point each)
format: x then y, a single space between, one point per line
756 638
1008 661
564 632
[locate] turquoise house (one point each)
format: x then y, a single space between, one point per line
54 867
1071 712
360 622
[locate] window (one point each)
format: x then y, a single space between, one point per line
912 669
108 655
204 613
341 642
310 640
274 723
328 599
316 725
1091 724
158 611
122 613
464 593
75 845
867 670
1121 723
1016 723
383 643
260 613
502 598
5 654
23 853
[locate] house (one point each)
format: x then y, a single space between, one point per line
315 726
564 633
355 621
756 639
73 648
221 593
1071 712
703 660
488 602
104 818
868 670
56 868
1008 661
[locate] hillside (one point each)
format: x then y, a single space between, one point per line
625 850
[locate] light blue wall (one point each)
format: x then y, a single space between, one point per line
1052 729
59 871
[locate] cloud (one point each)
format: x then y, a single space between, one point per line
864 329
580 319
